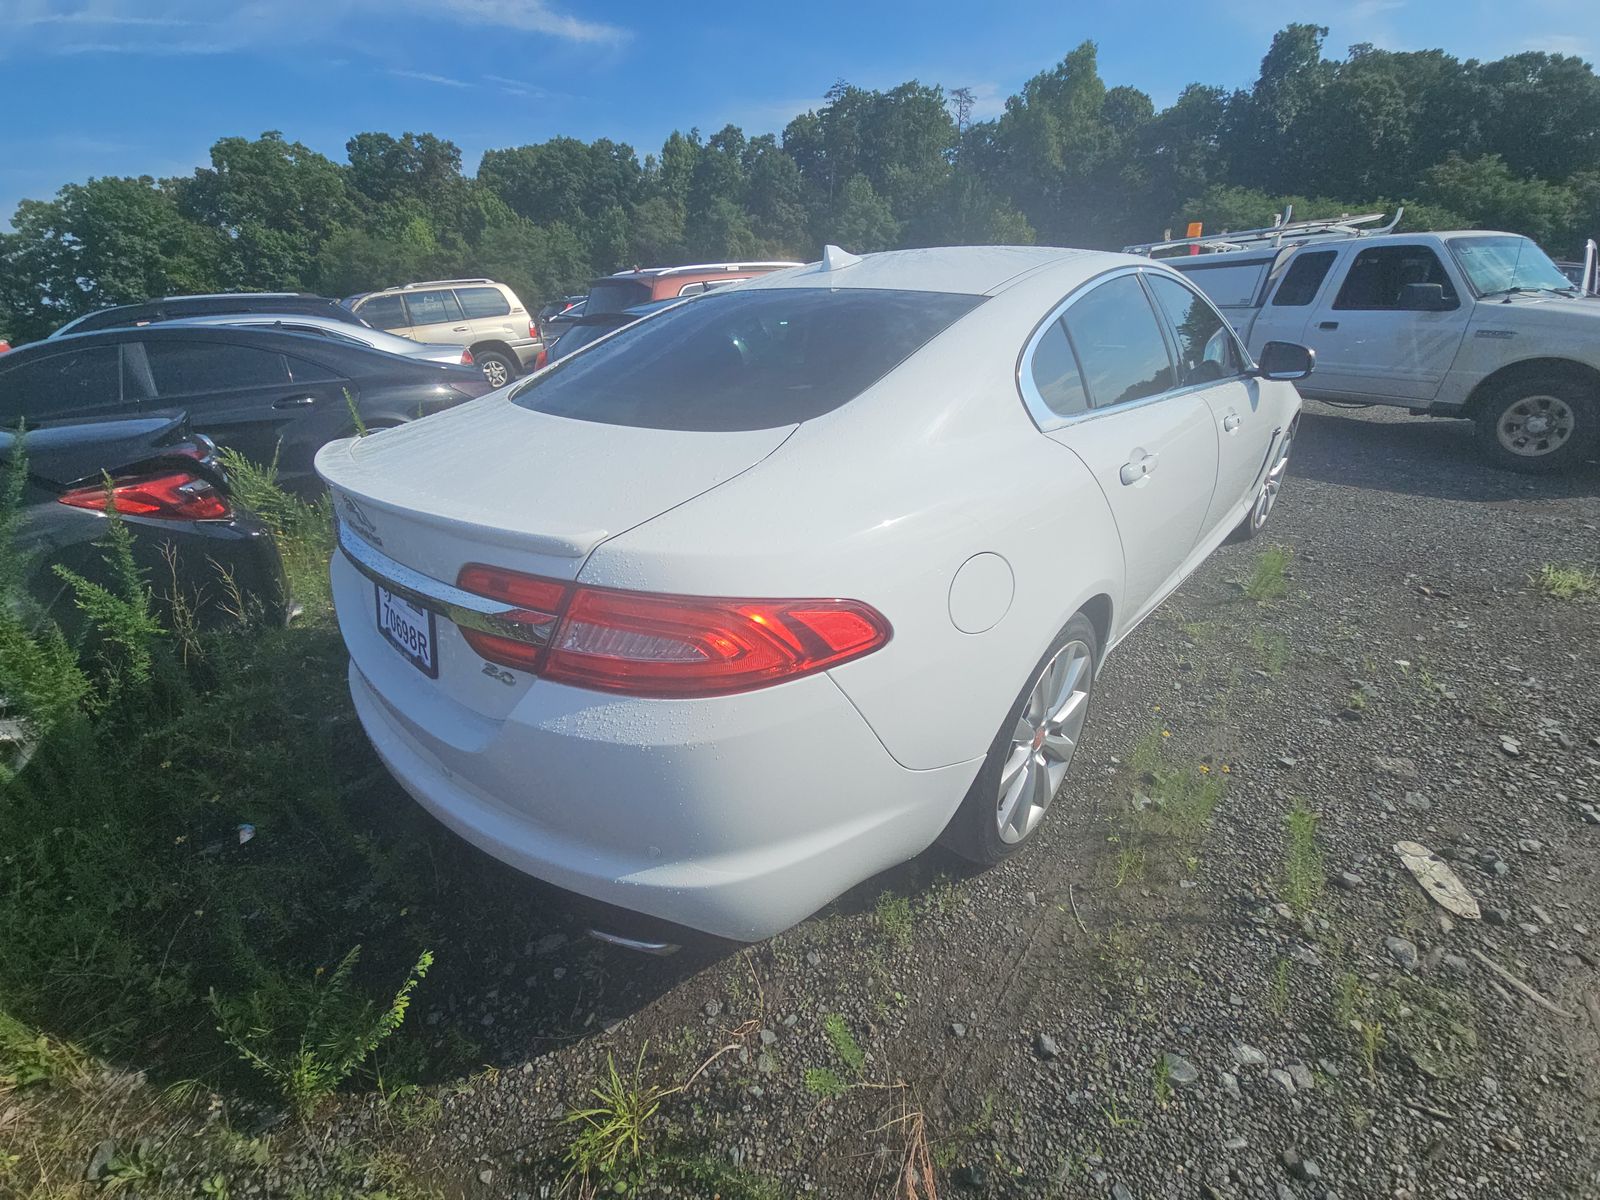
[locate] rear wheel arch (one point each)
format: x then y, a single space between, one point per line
1099 611
493 347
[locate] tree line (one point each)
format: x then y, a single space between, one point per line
1512 144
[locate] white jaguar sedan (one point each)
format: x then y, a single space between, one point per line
750 600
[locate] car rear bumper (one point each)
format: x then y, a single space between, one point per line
527 350
735 816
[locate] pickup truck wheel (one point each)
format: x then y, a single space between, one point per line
1538 426
496 367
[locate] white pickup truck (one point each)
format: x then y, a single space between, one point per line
1464 324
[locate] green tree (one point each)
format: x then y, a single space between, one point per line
862 221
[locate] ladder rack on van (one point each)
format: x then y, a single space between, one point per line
1283 230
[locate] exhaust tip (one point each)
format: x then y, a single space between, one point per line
638 945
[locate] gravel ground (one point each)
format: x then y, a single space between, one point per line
1147 1004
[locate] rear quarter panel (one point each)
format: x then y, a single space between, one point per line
882 501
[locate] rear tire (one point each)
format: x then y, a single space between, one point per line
496 367
1538 426
1031 756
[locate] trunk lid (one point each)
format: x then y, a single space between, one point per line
490 482
67 454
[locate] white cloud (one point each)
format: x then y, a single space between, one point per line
429 77
204 26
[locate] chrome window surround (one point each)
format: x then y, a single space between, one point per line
1047 419
456 604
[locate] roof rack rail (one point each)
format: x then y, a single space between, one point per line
1283 230
406 287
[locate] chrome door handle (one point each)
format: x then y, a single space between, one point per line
1137 470
295 402
1231 422
460 329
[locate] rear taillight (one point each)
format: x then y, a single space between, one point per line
196 446
466 358
533 328
644 644
179 496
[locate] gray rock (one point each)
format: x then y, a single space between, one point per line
1236 1143
768 1037
1302 1168
486 1177
100 1160
1497 916
1348 880
765 1063
1119 1191
1180 1071
1283 1079
1230 1084
1247 1055
550 943
713 1008
1530 845
1301 1074
1403 951
1046 1046
813 959
1418 801
957 1029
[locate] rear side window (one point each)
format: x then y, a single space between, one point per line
1055 373
433 308
745 360
483 302
1303 278
1119 342
1206 349
384 312
67 381
1379 276
1234 285
188 368
614 295
304 371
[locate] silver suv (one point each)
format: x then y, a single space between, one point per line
483 316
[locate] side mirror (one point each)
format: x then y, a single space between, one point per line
1285 361
1424 297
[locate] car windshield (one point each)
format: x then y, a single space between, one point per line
745 359
1507 264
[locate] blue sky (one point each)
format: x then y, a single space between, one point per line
112 87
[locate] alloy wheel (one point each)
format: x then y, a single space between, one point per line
1044 741
1267 497
496 372
1535 425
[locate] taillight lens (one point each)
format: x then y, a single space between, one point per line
643 644
533 328
541 359
538 606
466 358
179 496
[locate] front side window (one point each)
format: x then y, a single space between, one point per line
433 308
1379 277
482 302
1206 349
615 295
1505 264
745 360
1119 343
1303 279
384 312
190 368
87 377
1055 372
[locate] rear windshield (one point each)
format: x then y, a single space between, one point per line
614 295
745 359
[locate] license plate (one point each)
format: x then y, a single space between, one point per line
409 629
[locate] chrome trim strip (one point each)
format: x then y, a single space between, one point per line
456 604
1047 419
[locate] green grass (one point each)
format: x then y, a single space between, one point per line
1303 875
844 1044
1278 996
894 918
1269 580
1566 582
611 1137
1272 649
1161 1080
